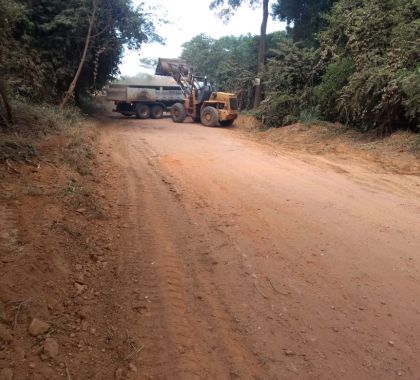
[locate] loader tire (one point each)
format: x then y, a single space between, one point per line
142 111
157 112
210 117
178 113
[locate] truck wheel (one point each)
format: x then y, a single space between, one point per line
210 117
157 112
142 111
178 113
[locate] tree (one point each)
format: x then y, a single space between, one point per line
226 13
304 15
92 19
46 41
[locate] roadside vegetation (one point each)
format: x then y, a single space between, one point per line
58 51
352 61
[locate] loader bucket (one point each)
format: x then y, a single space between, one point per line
172 67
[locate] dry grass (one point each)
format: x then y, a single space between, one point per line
81 199
78 152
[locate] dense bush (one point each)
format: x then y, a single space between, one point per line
357 63
289 80
41 43
381 39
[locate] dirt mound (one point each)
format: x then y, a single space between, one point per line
53 248
397 153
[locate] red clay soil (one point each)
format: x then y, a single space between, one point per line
193 253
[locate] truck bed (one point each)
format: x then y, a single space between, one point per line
139 93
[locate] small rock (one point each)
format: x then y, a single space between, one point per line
38 327
83 312
51 347
289 353
335 329
80 288
43 357
119 374
32 365
78 267
132 367
391 343
6 374
80 278
5 335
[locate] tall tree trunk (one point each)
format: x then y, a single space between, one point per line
73 83
7 107
261 54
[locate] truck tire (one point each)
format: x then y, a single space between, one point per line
157 112
142 111
178 113
210 117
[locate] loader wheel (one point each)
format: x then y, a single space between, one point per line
226 123
210 117
157 112
178 113
142 111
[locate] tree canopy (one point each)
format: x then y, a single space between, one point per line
42 43
353 61
304 18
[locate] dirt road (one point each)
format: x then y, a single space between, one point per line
238 261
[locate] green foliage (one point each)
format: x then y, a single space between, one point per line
381 39
38 120
334 79
229 62
365 72
304 15
44 41
289 80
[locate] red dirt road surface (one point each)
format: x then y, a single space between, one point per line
237 261
187 252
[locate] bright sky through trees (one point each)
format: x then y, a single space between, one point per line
187 18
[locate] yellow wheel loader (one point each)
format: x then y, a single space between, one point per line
201 103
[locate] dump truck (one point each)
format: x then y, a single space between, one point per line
201 103
146 96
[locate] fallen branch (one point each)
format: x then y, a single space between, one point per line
9 165
67 371
18 306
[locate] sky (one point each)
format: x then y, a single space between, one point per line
188 18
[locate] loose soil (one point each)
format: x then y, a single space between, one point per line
186 252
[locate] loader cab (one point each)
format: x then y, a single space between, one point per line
203 88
